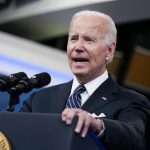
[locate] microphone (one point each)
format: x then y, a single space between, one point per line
26 85
7 82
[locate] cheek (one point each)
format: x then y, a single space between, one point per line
69 51
70 48
99 55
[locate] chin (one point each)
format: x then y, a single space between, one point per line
80 73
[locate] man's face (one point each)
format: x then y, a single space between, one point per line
86 49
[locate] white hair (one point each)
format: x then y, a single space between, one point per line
111 34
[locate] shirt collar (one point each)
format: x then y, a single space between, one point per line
92 85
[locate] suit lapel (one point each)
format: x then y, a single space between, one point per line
103 95
60 96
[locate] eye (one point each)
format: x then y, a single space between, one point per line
89 39
73 38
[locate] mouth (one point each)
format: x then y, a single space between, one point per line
80 60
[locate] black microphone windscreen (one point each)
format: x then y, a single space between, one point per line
7 82
42 79
18 75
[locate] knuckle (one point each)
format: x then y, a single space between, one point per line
86 125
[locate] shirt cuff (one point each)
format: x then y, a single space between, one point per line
103 126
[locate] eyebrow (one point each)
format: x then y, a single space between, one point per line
85 35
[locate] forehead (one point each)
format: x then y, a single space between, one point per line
84 24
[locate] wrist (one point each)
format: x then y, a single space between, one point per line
99 130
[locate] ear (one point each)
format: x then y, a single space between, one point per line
110 52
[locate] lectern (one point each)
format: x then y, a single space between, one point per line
41 131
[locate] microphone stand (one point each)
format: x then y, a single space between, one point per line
14 99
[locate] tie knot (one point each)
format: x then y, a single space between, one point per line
80 89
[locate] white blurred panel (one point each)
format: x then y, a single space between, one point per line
43 6
17 54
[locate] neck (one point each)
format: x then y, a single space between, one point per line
86 79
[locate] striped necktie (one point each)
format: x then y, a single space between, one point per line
74 101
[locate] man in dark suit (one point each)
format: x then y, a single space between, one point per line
116 115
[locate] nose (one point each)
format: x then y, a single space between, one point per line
79 45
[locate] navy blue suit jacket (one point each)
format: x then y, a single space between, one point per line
125 111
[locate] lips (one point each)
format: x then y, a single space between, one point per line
80 60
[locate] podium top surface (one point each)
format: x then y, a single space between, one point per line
36 131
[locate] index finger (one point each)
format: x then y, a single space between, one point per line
68 115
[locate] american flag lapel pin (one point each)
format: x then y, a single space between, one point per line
104 98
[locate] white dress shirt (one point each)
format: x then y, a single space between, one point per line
90 86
